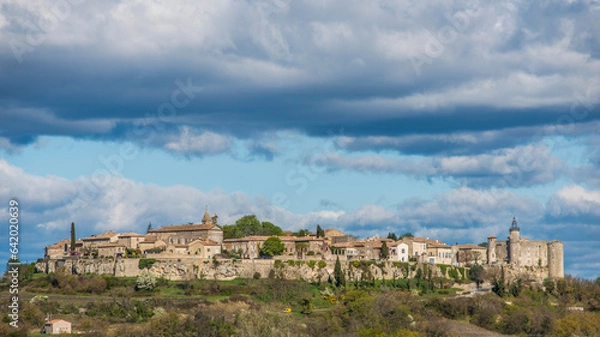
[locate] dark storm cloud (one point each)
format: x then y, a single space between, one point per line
280 65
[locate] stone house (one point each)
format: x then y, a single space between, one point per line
57 326
417 248
58 250
94 241
131 239
300 246
150 242
176 249
248 246
342 250
61 249
468 254
204 249
113 249
438 252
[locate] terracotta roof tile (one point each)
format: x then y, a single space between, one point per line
102 236
131 234
57 321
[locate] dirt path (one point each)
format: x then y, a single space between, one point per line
464 329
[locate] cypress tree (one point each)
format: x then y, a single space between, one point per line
340 280
385 251
73 241
320 232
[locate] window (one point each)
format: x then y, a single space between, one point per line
403 250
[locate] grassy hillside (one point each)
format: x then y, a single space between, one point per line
109 306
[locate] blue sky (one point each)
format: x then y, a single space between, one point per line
442 119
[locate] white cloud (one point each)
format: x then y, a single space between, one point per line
189 142
575 201
522 165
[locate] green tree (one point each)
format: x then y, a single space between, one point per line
476 274
302 232
406 235
499 287
385 251
149 228
340 279
392 235
483 244
73 240
320 232
269 228
250 225
272 246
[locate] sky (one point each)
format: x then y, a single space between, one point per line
443 119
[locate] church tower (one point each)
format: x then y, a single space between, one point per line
206 219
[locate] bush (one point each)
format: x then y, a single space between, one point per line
321 264
256 276
146 263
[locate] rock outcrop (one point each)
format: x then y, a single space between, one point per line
311 271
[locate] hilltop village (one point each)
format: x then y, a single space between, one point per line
205 241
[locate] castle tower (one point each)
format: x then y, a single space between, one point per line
491 249
556 267
514 243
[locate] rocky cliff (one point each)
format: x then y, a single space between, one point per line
312 271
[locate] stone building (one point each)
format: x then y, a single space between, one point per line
151 242
184 234
58 250
57 326
131 239
62 249
522 252
298 247
204 249
468 254
111 249
94 241
438 252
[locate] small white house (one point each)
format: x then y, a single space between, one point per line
402 252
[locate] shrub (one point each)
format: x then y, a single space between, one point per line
321 264
256 276
146 263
